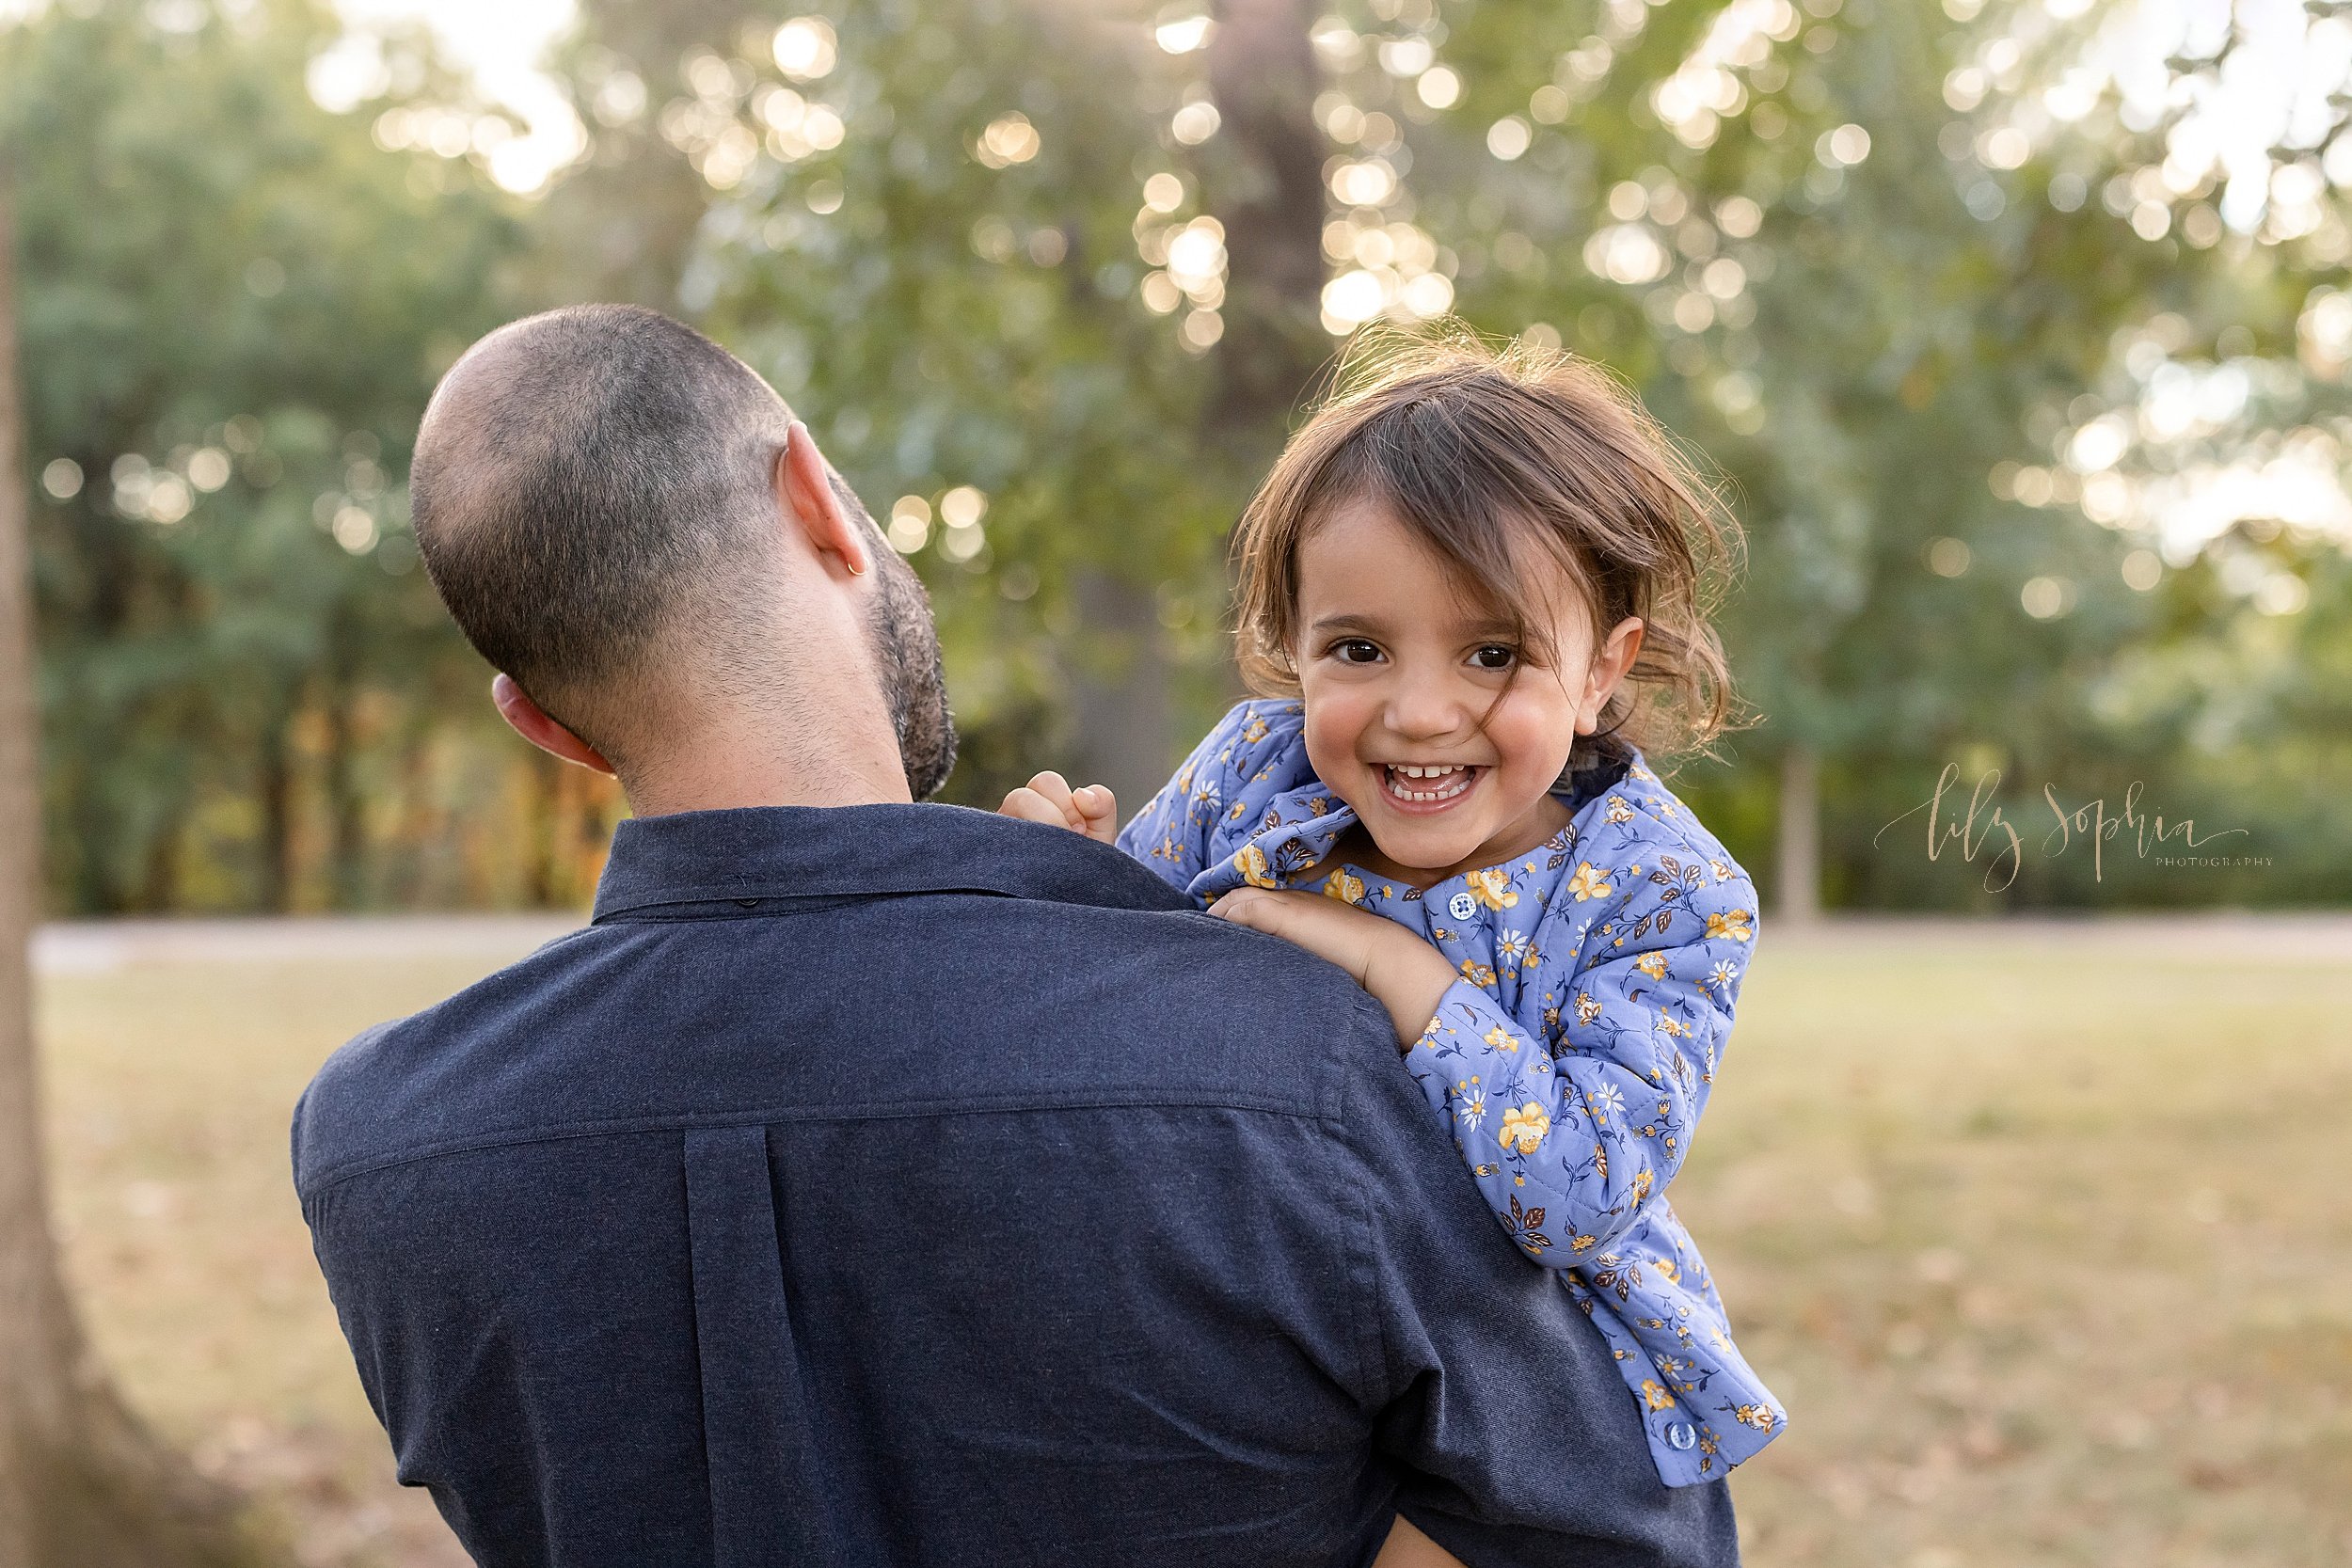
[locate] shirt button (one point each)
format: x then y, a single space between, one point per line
1682 1435
1461 906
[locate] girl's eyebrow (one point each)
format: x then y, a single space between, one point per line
1490 626
1329 624
1482 626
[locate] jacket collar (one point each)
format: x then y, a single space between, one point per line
848 852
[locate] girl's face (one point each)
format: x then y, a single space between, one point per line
1423 714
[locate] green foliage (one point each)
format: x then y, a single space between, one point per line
1047 281
233 306
1864 332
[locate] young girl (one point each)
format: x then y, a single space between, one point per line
1470 594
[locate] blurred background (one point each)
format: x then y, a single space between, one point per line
2016 331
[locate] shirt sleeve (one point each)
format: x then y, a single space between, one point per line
1568 1137
1175 833
1501 1411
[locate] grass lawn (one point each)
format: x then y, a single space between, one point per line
2042 1232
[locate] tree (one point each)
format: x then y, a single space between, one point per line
81 1481
1791 231
230 352
1051 287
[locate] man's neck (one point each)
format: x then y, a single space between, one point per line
856 766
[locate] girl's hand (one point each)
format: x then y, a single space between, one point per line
1048 799
1404 974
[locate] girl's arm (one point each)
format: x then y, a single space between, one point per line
1568 1137
1567 1140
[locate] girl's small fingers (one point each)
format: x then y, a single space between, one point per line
1054 787
1028 805
1243 907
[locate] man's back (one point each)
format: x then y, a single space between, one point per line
900 1184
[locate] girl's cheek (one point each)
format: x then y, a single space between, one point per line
1535 738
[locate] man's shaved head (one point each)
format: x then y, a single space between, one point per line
593 492
583 479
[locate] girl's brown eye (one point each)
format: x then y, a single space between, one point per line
1355 650
1495 657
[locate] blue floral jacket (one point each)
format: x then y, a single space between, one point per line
1574 1054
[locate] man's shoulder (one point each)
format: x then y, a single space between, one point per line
972 1004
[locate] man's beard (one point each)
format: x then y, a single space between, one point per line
914 681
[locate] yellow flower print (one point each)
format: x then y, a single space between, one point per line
1341 885
1652 963
1254 731
1250 862
1642 1181
1733 925
1757 1415
1502 1038
1524 1127
1723 872
1656 1397
1184 780
1583 1243
1478 974
1637 771
1492 888
1668 1270
1240 807
1588 883
1587 1010
1604 1099
1617 810
1673 1026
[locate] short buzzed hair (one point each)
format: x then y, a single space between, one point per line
590 481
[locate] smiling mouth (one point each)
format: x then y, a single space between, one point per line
1425 786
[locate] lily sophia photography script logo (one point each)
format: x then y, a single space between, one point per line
1986 826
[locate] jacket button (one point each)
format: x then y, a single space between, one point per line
1461 906
1682 1435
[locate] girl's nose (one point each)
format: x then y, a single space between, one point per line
1424 706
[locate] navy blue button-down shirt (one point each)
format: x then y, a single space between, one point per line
908 1185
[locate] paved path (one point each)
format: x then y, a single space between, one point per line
96 946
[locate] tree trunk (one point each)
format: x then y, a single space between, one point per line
80 1481
1261 178
1799 836
1266 186
540 872
346 811
1125 715
275 785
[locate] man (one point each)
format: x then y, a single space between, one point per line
876 1183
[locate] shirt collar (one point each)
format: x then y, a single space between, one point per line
833 852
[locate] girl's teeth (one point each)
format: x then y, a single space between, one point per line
1445 783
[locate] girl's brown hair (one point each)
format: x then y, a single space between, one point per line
1479 451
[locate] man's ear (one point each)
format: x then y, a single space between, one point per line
805 488
531 722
